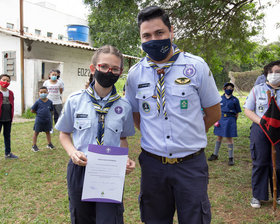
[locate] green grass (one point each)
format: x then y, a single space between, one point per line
33 188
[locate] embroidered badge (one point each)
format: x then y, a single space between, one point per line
146 107
143 85
261 108
182 81
118 110
81 115
184 104
189 71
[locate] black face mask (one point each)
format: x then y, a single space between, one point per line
105 79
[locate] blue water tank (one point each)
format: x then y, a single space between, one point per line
78 33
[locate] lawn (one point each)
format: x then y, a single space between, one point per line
33 188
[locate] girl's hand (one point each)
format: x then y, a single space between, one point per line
79 158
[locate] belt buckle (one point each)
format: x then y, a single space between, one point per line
225 115
166 160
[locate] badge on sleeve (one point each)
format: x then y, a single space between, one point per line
182 81
184 104
118 110
189 71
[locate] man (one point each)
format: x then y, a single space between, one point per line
256 105
168 90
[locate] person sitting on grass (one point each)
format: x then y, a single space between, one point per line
226 126
43 122
6 113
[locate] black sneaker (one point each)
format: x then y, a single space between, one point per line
35 148
50 146
230 162
11 156
213 157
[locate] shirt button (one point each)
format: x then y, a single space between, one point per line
168 136
170 154
183 93
166 118
144 97
80 127
116 130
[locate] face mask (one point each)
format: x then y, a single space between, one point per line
105 79
43 95
273 78
53 78
157 49
228 91
4 84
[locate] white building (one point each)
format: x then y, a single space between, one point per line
46 47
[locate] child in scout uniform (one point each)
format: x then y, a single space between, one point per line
6 113
226 126
43 108
255 106
97 115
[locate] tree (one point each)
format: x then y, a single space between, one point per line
114 22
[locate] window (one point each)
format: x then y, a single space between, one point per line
25 29
60 36
10 26
49 34
37 32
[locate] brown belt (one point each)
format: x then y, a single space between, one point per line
166 160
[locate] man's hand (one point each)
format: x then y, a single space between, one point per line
130 166
79 158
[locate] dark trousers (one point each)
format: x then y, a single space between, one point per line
260 148
57 108
7 135
89 212
167 187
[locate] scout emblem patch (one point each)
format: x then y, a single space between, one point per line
182 81
189 71
184 104
146 107
118 110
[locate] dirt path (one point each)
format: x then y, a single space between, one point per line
18 119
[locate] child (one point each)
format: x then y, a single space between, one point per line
226 126
6 113
256 106
97 115
55 89
43 122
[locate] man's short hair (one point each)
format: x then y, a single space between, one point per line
2 75
43 87
267 68
153 12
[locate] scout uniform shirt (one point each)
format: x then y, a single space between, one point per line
80 118
189 85
257 99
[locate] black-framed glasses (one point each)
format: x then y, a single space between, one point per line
106 68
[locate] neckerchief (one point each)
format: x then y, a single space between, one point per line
101 111
161 73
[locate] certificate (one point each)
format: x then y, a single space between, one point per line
104 174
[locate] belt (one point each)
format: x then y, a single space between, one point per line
165 160
228 115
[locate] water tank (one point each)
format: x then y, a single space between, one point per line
78 33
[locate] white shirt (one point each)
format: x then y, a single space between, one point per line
54 91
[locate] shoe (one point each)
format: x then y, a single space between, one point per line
278 200
35 148
213 157
255 203
11 156
50 146
51 131
230 162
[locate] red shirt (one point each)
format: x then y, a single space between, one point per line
11 99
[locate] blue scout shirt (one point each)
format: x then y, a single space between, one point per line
189 85
230 105
257 99
43 110
80 118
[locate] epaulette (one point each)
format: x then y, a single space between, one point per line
77 93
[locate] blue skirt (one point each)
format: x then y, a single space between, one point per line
227 127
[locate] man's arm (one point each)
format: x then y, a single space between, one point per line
212 115
252 116
136 118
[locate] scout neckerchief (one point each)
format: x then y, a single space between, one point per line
101 111
160 83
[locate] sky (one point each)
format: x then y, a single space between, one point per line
77 8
